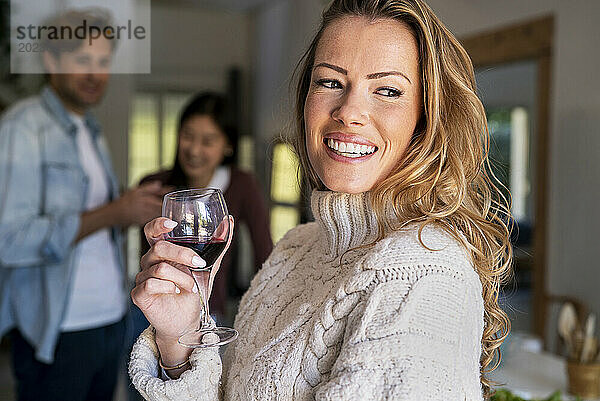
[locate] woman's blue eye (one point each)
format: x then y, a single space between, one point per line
329 83
389 92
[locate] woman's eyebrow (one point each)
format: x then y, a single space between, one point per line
333 67
375 75
378 75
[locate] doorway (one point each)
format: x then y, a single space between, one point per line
513 71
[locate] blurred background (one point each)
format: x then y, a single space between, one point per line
536 63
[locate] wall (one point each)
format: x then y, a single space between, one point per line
575 141
192 46
113 114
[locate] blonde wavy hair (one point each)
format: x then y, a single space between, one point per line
444 177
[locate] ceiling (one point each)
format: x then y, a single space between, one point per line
230 5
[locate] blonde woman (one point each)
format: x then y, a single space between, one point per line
392 292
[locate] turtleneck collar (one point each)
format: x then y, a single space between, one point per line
347 220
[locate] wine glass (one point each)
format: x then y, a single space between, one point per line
203 226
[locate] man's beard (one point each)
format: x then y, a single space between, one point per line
71 96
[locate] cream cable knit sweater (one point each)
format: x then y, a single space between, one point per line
394 321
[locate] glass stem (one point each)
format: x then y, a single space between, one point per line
202 278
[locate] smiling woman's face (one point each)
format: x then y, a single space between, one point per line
201 149
363 103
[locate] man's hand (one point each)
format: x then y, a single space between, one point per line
140 205
136 207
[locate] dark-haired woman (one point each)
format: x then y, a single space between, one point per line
205 158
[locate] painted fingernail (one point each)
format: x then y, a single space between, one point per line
195 289
170 224
177 290
197 261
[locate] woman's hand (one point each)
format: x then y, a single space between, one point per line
165 290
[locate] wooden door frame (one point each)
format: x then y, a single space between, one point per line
531 40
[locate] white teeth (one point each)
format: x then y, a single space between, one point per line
350 149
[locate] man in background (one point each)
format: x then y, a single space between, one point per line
63 294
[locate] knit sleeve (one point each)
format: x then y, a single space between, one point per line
200 383
411 340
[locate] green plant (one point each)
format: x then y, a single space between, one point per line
505 395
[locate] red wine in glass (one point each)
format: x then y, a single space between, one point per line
207 249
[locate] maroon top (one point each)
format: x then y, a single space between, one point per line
246 203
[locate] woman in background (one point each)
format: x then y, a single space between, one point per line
205 158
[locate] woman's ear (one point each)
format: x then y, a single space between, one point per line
228 151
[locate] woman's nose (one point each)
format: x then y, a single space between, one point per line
352 111
195 149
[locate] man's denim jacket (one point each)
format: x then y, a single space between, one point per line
43 190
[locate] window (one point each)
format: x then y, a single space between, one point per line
509 156
153 132
144 137
285 191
